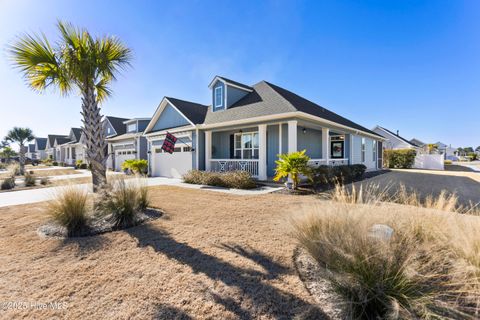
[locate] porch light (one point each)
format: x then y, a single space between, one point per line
304 130
240 131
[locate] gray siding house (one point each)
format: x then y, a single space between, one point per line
246 127
125 140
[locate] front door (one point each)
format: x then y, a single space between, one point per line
337 149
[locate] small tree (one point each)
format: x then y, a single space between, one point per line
292 165
137 166
7 153
20 136
432 148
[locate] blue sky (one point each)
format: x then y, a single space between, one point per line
407 65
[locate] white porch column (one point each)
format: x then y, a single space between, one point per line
292 136
208 150
326 144
262 152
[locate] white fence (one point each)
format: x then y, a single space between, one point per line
429 161
223 165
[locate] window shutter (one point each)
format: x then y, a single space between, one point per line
232 146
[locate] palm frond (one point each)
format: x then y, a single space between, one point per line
39 63
19 135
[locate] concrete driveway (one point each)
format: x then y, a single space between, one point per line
466 185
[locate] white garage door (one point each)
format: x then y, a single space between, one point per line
121 156
171 165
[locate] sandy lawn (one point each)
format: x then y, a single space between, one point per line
211 256
46 172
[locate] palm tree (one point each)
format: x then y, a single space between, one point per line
292 165
77 61
20 136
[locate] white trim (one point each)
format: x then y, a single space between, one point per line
241 134
161 135
391 134
113 128
285 115
159 111
136 119
177 129
197 156
363 150
222 98
217 78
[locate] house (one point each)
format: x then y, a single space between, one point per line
394 140
31 154
418 142
51 149
246 127
125 140
40 145
67 149
447 150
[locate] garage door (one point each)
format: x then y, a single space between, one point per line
171 165
121 156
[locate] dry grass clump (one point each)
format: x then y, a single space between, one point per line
29 179
122 201
70 209
391 262
374 195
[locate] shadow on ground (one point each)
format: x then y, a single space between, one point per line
257 297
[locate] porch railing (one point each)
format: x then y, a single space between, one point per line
331 162
223 165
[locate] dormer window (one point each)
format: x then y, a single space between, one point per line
218 97
132 127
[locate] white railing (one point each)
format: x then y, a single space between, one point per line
331 162
223 165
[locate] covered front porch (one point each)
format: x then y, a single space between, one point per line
255 148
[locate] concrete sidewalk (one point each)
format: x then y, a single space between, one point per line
12 198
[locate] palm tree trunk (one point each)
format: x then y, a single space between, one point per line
21 159
95 138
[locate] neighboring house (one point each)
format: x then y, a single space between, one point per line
125 140
394 141
447 150
40 145
51 149
418 143
246 127
69 148
31 151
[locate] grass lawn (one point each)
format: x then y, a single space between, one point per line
211 256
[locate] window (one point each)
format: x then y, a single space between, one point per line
363 149
158 150
132 127
187 149
218 97
246 145
374 150
109 131
177 149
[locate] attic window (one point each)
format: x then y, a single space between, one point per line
218 97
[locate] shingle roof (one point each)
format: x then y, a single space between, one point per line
62 140
31 147
77 132
417 142
52 137
399 137
117 124
269 99
41 143
238 84
195 112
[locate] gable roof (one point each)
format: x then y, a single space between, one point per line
62 140
77 132
51 138
417 142
195 112
269 99
399 137
41 143
118 124
231 82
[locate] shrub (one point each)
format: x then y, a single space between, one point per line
403 158
2 166
29 180
472 155
137 166
229 179
55 163
44 181
70 208
8 184
122 201
83 166
292 165
330 175
428 267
